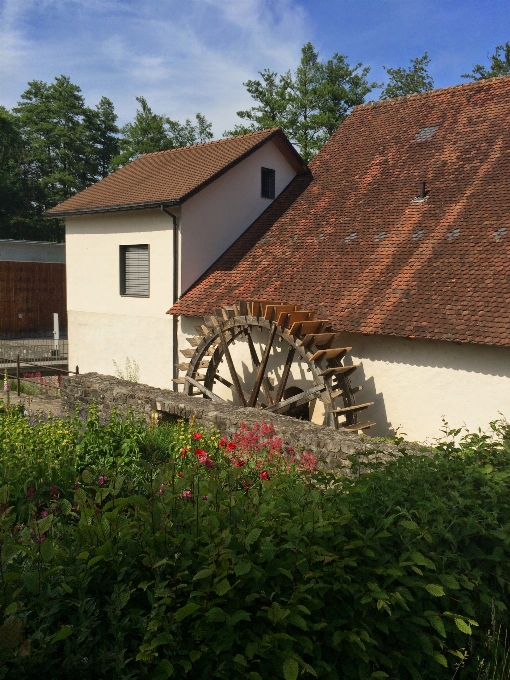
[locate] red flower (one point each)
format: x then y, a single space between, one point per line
223 441
54 490
30 493
264 475
201 453
197 435
77 485
184 452
180 474
239 462
231 446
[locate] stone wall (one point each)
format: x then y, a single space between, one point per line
331 446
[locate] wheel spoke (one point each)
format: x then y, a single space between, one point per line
235 378
266 387
262 368
285 374
204 390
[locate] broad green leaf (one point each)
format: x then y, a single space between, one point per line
185 611
252 537
286 573
164 670
254 676
94 560
463 626
240 615
440 659
422 560
216 614
239 658
222 587
379 674
242 568
86 475
47 550
290 669
437 623
449 581
65 506
64 632
434 589
204 573
409 524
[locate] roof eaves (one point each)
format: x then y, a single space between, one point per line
50 214
275 134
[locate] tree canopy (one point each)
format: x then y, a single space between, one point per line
309 103
410 80
500 65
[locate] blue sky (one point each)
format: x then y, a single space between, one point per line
186 56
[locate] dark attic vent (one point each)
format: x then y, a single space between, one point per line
425 134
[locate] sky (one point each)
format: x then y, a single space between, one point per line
189 56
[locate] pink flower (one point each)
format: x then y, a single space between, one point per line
186 494
41 538
161 489
44 513
204 498
197 435
102 479
209 463
264 475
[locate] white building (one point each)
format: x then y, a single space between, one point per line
141 236
399 233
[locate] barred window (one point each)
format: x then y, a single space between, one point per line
134 271
267 182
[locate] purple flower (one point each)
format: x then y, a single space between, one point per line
204 498
102 479
44 513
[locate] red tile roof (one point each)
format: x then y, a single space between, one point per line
171 177
352 243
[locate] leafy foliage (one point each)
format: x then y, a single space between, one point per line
166 552
412 80
308 104
500 65
151 132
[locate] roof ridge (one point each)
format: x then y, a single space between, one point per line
210 143
482 82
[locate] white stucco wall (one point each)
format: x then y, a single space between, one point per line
103 325
32 251
413 383
215 217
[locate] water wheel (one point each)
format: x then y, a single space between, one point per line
273 356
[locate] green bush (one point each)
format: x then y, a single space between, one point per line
243 563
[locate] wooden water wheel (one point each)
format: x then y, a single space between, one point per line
273 356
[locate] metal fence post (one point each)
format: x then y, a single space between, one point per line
17 376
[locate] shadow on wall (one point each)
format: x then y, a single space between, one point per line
376 413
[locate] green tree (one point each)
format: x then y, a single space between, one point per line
308 104
272 95
500 65
151 132
101 139
19 193
410 80
51 121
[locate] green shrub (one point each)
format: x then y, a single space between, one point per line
249 566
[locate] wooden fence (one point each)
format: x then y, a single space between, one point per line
30 293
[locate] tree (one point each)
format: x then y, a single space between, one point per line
500 65
151 132
51 121
412 80
101 139
308 104
19 193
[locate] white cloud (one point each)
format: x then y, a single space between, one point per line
184 56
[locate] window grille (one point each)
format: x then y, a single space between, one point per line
134 271
267 183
